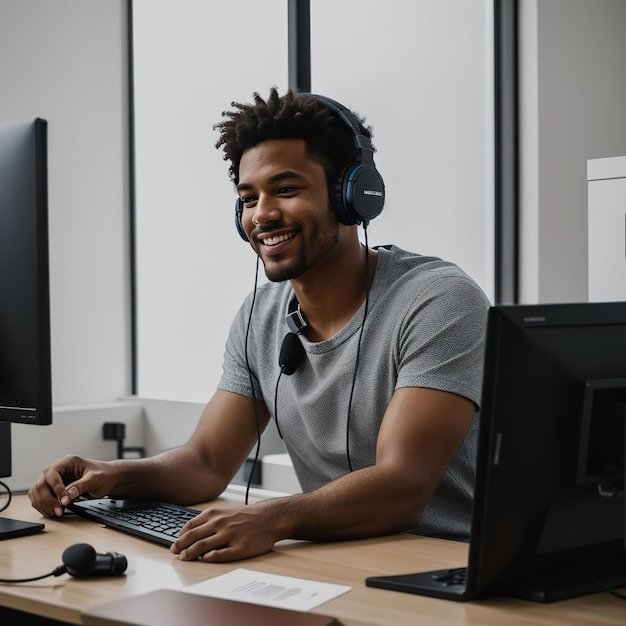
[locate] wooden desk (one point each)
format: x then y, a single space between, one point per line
151 566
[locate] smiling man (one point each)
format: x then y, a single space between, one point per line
378 405
280 186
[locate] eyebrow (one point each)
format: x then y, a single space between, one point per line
276 178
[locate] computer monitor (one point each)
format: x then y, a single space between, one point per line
25 369
548 513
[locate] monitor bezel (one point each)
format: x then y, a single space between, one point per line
509 553
25 180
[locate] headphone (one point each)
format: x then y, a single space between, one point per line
358 192
81 561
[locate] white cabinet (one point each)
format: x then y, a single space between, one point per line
606 183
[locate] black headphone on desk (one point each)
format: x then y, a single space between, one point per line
82 561
358 192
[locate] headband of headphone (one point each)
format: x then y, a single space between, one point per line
358 191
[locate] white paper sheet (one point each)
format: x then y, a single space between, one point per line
284 592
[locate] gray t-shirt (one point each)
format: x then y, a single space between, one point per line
425 327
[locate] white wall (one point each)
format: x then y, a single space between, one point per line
573 108
192 58
66 61
419 70
422 73
75 429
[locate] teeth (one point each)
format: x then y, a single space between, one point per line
272 241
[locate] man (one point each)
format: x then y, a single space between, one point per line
376 398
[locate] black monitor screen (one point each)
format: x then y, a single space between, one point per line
25 386
551 460
548 516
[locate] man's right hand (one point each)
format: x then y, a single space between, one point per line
64 481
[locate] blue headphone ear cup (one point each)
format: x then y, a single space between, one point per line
365 192
359 194
238 221
340 200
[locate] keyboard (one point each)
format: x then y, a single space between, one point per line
155 521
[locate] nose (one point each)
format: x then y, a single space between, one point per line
265 211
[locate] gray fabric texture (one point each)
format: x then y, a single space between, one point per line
425 327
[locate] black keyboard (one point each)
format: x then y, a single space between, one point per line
155 521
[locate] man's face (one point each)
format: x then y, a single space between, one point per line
286 215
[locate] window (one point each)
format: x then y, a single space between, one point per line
419 70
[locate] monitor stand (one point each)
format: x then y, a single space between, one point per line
5 449
573 583
10 528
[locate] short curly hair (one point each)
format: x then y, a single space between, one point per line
292 116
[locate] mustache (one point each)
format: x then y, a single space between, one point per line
270 227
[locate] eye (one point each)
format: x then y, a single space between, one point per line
287 190
248 201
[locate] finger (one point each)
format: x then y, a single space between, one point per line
204 517
187 526
57 486
44 504
194 551
63 498
223 555
193 545
72 491
187 538
48 505
57 475
89 483
44 494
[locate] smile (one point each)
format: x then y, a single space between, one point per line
274 241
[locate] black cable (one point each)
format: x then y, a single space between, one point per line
276 403
254 404
356 366
56 572
358 351
9 496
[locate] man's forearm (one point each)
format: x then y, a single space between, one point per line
368 502
177 475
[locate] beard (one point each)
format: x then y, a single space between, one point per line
322 241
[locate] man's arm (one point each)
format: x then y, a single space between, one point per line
195 472
420 433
